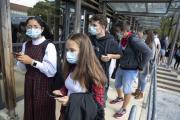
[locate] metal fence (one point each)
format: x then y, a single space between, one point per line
152 100
132 115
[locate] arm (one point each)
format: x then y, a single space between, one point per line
114 52
98 92
140 46
99 99
49 64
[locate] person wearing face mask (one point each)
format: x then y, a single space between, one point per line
40 66
106 48
130 64
144 75
85 78
116 32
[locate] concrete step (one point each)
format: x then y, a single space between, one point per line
163 69
168 91
168 82
172 74
167 87
168 78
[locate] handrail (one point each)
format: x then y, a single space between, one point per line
152 96
132 115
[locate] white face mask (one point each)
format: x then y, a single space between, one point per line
34 32
92 30
71 57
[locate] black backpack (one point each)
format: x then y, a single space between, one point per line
58 78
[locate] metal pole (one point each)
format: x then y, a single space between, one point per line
174 40
84 21
134 26
130 22
154 95
66 14
132 114
77 25
56 19
7 58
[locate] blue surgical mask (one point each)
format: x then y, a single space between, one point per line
92 30
71 57
34 32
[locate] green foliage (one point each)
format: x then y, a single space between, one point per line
43 9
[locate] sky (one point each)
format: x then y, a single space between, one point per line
29 3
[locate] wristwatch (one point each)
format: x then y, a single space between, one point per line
34 63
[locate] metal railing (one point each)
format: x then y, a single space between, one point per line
132 115
152 101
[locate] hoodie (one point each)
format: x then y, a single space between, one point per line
99 45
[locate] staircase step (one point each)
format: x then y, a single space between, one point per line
167 73
167 87
168 91
168 82
168 78
164 69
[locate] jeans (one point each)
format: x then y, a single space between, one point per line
125 79
142 79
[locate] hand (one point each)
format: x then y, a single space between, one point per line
25 59
57 92
63 100
105 58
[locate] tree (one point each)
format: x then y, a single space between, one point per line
43 9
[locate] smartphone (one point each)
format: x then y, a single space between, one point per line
16 54
53 95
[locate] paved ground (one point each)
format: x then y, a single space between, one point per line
110 109
168 105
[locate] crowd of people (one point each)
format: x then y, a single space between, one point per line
84 70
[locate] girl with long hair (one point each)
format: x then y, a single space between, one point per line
84 74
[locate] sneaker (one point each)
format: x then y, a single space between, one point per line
118 99
139 96
136 92
120 113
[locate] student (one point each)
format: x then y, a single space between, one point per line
84 75
106 48
142 75
39 63
177 57
130 64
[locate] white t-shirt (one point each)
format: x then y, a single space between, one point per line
157 42
73 86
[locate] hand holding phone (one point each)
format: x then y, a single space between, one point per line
16 54
53 95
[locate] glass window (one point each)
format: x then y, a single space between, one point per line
137 7
118 6
157 7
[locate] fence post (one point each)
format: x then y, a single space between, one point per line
7 58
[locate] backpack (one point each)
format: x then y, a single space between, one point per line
58 78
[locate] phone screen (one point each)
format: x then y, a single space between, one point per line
53 95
